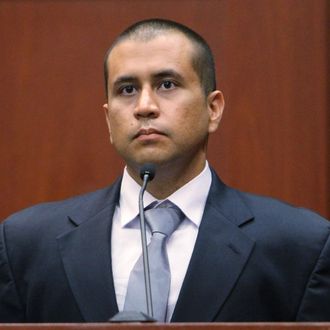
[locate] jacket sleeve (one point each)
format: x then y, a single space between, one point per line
315 304
10 306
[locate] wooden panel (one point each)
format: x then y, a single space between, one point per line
172 326
273 72
272 66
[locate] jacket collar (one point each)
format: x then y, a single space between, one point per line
86 255
220 254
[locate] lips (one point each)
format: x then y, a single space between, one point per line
145 132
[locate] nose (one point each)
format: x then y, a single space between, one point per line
146 106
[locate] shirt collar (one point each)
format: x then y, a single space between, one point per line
190 198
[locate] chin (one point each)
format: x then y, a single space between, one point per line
137 163
151 155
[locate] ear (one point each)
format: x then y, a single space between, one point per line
215 105
107 117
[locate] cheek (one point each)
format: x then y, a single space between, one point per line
194 116
114 126
122 127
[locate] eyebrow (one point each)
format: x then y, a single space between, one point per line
168 73
124 79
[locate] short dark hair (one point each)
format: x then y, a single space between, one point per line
202 60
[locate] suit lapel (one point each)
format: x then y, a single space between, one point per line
219 256
86 256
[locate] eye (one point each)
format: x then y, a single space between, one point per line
128 90
167 84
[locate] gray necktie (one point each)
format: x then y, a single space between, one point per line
162 221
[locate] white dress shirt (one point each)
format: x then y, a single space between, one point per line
126 238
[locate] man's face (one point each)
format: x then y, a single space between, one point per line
157 111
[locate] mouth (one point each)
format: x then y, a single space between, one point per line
148 134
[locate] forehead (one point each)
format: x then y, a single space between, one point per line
168 50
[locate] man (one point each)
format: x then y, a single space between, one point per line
234 256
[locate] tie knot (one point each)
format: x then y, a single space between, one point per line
164 218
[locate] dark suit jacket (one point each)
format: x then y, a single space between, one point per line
255 259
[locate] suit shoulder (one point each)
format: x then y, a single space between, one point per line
262 205
44 214
269 214
285 218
